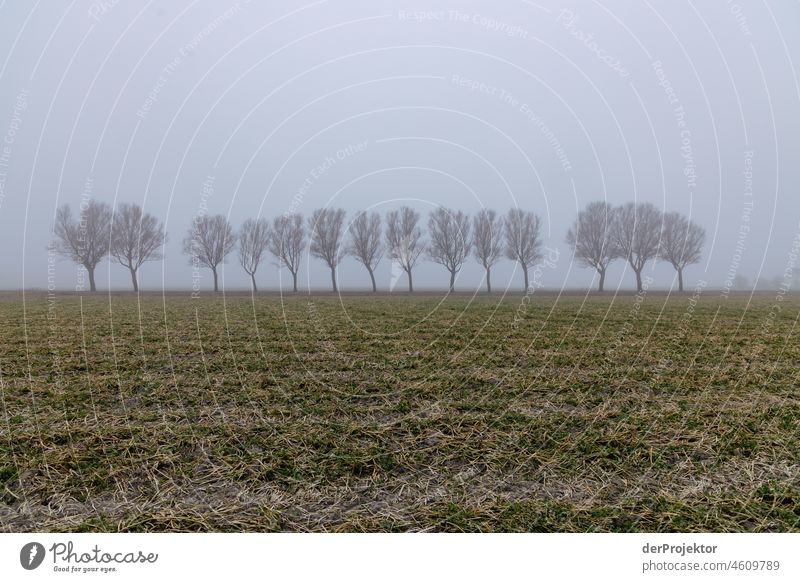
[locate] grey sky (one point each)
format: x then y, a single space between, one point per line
546 105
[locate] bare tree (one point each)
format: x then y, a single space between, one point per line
136 237
87 240
681 243
591 238
365 242
404 239
208 242
254 238
449 245
326 225
287 243
523 239
487 241
636 233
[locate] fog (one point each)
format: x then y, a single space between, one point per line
254 109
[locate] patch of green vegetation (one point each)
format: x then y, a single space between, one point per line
7 473
398 414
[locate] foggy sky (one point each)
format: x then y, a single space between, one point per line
256 108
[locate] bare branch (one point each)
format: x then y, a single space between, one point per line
87 240
365 242
487 240
209 241
136 238
404 239
523 239
326 226
636 232
487 237
591 238
681 243
450 242
254 238
287 242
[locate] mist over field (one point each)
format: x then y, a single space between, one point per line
247 109
586 213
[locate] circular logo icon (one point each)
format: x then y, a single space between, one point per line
31 555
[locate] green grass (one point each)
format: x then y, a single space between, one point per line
398 414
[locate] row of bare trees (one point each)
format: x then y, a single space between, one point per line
130 236
453 236
600 234
636 233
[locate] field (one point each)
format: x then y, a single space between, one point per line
423 413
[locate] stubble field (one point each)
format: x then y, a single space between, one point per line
424 413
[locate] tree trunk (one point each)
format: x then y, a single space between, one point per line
92 286
410 282
525 272
680 280
133 280
372 277
253 279
638 281
216 286
452 281
333 279
602 279
489 280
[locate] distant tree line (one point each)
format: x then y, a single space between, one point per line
128 235
601 233
636 233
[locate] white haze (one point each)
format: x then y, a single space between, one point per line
692 106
